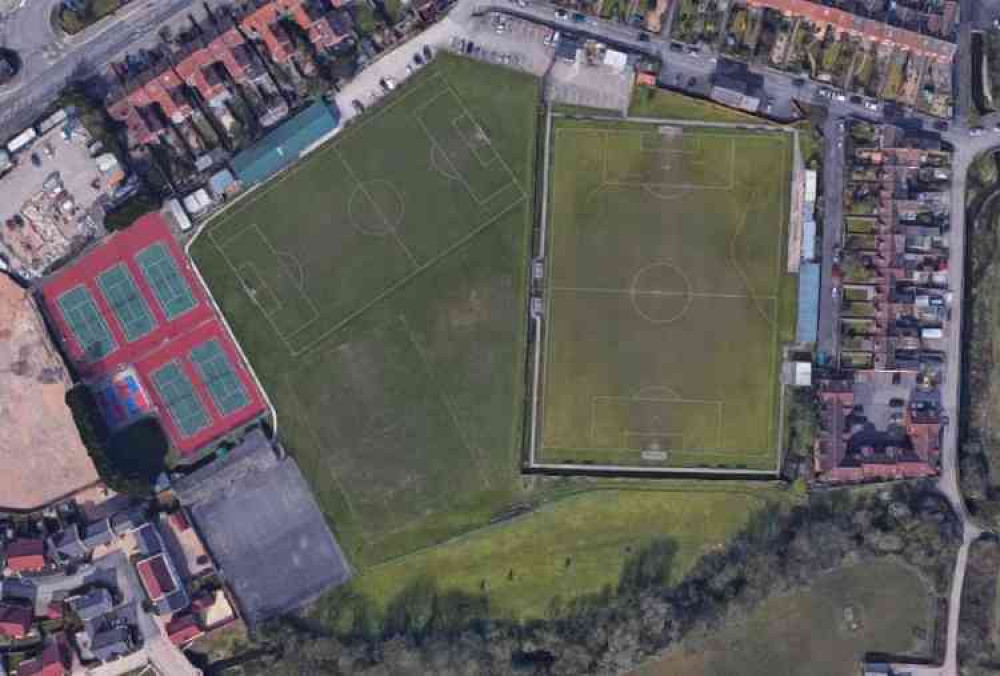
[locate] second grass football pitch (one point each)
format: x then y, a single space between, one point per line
378 289
663 296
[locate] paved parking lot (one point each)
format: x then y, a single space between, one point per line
506 41
591 86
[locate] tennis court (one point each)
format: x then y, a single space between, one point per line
126 302
216 371
162 275
86 323
180 399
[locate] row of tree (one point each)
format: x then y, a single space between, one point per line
440 632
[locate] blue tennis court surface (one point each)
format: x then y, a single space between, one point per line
216 370
178 395
126 302
169 286
86 323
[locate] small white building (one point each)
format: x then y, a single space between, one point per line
616 60
21 141
173 210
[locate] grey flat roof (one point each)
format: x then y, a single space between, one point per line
260 522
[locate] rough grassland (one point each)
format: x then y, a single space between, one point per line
377 288
667 295
573 546
805 633
651 102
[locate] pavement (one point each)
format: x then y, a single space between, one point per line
833 212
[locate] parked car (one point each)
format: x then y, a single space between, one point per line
427 52
643 37
417 59
358 106
579 18
799 81
561 14
977 131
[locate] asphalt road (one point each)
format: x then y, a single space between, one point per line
50 60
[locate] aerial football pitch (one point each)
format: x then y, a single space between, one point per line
378 288
663 290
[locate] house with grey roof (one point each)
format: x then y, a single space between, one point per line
128 521
148 540
97 534
112 643
91 605
66 545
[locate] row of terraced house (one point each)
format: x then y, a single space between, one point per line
241 54
881 412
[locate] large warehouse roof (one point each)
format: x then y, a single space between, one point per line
134 301
259 520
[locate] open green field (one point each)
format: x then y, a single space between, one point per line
573 546
667 296
378 290
826 630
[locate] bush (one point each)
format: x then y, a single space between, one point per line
127 461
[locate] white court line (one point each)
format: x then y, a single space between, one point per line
653 292
385 221
446 400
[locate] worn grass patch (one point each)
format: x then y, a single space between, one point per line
377 288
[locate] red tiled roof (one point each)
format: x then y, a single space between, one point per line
183 629
156 577
52 661
263 21
870 28
15 621
26 555
179 520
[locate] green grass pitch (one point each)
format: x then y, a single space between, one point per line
378 289
665 300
